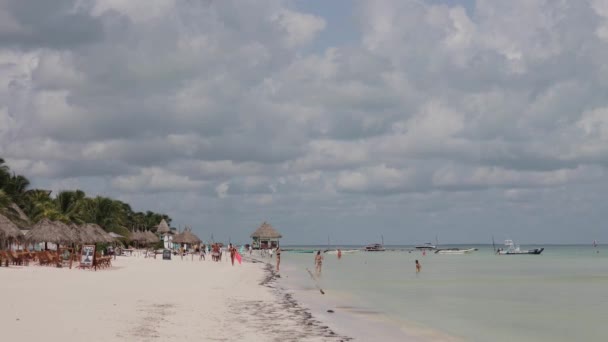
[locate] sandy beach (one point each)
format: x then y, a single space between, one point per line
146 299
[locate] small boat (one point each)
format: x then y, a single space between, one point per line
427 245
455 251
375 247
512 249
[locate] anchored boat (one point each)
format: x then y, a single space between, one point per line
455 251
512 249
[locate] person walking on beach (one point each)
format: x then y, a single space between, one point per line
202 255
232 254
318 263
339 254
278 257
418 267
181 252
250 249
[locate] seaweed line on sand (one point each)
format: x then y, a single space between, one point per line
303 327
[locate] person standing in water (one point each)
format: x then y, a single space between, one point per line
318 263
418 267
278 251
339 254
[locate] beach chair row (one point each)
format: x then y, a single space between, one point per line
103 262
20 258
23 258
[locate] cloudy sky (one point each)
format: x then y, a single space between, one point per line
350 119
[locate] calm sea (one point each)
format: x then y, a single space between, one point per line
561 295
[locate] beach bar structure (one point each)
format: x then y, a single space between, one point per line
265 237
166 234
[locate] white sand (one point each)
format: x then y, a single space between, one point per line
143 299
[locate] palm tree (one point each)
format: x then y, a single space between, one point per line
36 203
70 205
5 201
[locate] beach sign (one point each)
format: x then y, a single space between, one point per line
166 254
87 256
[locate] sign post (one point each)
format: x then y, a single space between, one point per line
166 254
87 256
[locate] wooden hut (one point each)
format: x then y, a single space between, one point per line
265 237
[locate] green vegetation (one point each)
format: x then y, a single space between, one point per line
17 200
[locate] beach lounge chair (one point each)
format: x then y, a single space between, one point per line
43 259
5 258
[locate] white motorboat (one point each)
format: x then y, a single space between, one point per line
455 251
376 247
512 249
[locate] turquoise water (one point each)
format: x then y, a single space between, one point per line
561 295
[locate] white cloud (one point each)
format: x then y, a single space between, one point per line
243 106
156 179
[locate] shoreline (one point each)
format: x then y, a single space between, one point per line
316 327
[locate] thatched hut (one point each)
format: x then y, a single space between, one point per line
265 237
137 236
150 237
8 231
187 238
163 227
102 235
165 233
48 231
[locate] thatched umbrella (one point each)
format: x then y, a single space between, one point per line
150 237
73 236
48 231
100 234
266 231
163 227
137 236
87 234
9 230
186 237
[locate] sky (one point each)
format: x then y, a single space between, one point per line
347 120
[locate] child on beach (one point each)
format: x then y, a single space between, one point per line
418 267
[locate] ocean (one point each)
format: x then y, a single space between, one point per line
560 295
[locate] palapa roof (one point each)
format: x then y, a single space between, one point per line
91 233
150 237
163 227
68 231
48 231
186 237
83 237
137 236
9 230
266 231
100 232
